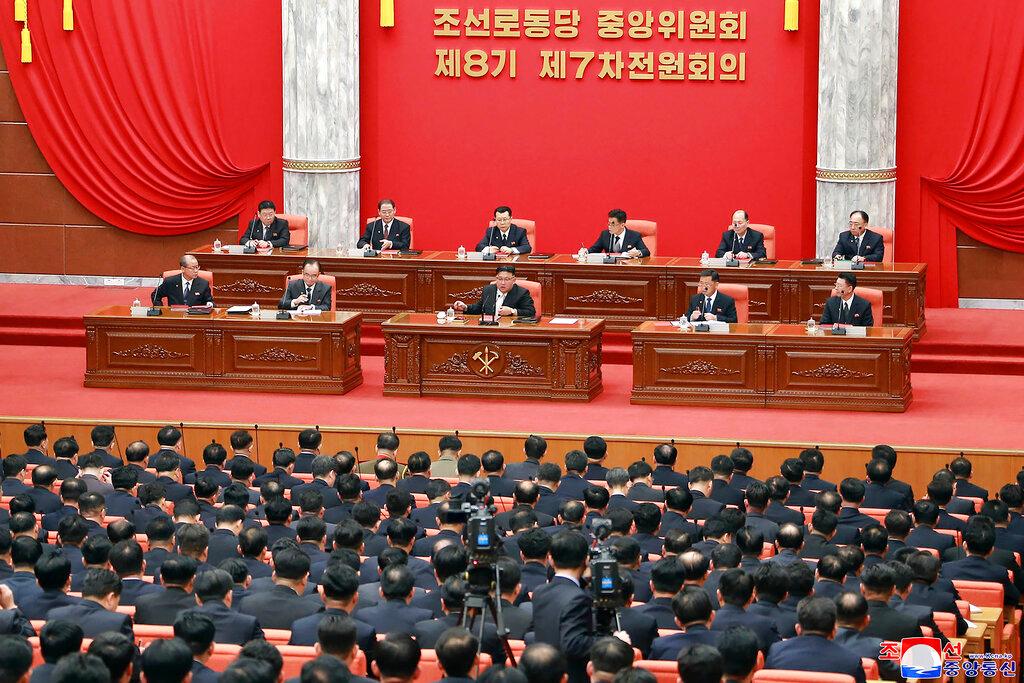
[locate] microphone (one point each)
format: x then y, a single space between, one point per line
611 241
734 241
373 229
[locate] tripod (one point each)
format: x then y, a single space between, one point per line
478 598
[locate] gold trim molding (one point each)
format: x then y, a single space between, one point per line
309 166
881 175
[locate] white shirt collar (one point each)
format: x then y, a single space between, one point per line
847 301
571 577
185 280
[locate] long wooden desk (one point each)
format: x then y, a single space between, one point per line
316 354
624 294
557 362
770 366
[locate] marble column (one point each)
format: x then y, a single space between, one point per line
321 117
857 61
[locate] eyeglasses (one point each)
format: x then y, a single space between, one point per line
195 267
505 279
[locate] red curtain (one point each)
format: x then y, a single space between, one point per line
128 109
983 194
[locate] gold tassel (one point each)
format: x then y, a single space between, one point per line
26 46
792 15
387 13
69 16
20 10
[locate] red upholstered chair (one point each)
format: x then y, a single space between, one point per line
874 297
526 224
648 230
784 676
328 280
535 293
889 255
204 274
298 228
870 668
664 671
404 219
769 238
741 293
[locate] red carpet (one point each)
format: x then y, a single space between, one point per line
959 341
948 410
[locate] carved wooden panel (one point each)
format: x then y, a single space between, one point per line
378 292
277 354
124 348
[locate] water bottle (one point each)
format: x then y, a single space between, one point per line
441 319
704 257
338 249
255 310
812 327
136 303
450 314
217 245
462 252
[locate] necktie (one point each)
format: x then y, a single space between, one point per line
856 251
309 294
263 232
615 245
844 314
188 286
387 229
707 305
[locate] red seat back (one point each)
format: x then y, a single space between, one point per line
328 280
648 230
741 293
298 228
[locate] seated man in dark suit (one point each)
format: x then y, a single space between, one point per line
618 239
186 289
14 466
57 639
818 541
771 583
394 613
756 497
453 599
96 613
735 591
640 478
287 601
53 572
814 648
667 577
858 244
980 538
493 463
337 638
852 492
845 307
722 489
214 456
102 438
177 574
924 535
741 241
877 585
338 587
128 561
122 502
664 470
266 228
386 232
417 474
46 500
708 304
456 654
167 660
851 619
505 237
691 608
37 443
308 291
169 475
324 474
703 507
877 494
924 591
172 442
503 298
198 632
608 657
777 510
573 484
961 469
214 591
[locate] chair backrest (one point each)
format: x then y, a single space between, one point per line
536 293
664 671
874 297
980 593
741 293
946 621
526 224
294 657
404 219
328 280
769 237
648 230
298 227
203 274
870 668
785 676
889 255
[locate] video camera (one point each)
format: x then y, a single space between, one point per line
481 536
605 579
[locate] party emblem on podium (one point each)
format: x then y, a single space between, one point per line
487 360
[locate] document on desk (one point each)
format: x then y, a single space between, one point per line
239 309
564 321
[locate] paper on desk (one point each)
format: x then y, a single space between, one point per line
564 321
970 624
239 309
974 608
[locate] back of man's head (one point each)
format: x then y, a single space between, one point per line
595 448
568 550
575 461
700 664
116 651
58 638
610 655
167 661
543 663
738 646
397 656
816 615
213 584
337 635
80 668
196 629
879 471
456 652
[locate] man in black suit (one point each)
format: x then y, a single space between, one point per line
504 297
562 608
394 613
102 438
618 239
741 241
122 502
338 586
153 506
980 538
128 561
877 494
691 608
288 600
526 496
708 304
223 542
534 546
213 589
70 491
940 492
874 542
678 502
266 227
757 498
788 543
53 572
214 456
667 578
386 232
57 639
37 443
877 585
721 486
456 654
186 289
46 500
573 484
664 470
307 291
703 507
169 475
858 244
14 467
65 450
504 237
818 541
771 583
241 449
493 463
846 308
924 591
735 591
177 574
198 632
924 535
324 473
96 613
172 442
850 516
453 599
136 454
851 619
814 463
814 648
534 449
961 469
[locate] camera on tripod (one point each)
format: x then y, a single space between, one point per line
605 579
481 536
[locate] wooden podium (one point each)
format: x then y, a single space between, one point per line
781 366
316 354
545 360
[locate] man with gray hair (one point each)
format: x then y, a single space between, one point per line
184 287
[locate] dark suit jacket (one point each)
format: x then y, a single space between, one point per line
373 234
518 298
664 475
571 487
415 483
42 673
65 468
785 625
24 587
872 246
329 493
202 673
280 606
199 293
562 617
867 647
534 576
628 240
133 589
38 607
668 648
974 568
424 547
860 312
258 469
937 601
394 616
122 504
752 242
140 472
500 486
766 526
517 239
817 547
724 307
618 501
187 466
232 627
428 632
223 545
660 609
14 487
881 496
173 491
814 653
94 619
143 516
764 628
673 520
642 493
154 558
727 494
320 296
926 537
46 501
276 233
163 608
888 623
703 507
642 629
966 489
304 630
518 471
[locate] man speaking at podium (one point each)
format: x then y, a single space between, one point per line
308 291
708 304
503 298
266 227
845 307
618 239
740 240
186 289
